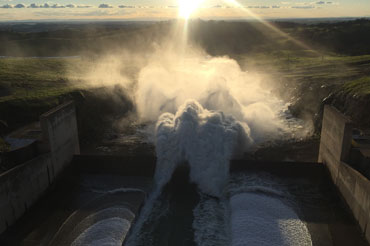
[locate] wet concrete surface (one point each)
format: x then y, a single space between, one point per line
75 195
310 190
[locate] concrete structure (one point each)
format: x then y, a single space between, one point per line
23 185
124 205
80 199
59 128
336 137
97 188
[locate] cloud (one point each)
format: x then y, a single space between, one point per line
258 7
126 6
83 6
303 7
89 13
57 6
105 6
19 6
34 6
323 2
6 6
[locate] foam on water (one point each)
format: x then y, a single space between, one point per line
106 232
205 139
153 209
259 220
118 190
256 209
211 222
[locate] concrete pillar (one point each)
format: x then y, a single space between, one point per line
59 128
336 137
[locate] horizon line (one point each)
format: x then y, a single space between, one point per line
158 19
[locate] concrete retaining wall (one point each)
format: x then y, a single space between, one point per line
336 136
59 128
21 186
335 144
125 205
355 189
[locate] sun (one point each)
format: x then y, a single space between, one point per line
186 7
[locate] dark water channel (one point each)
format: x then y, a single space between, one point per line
173 219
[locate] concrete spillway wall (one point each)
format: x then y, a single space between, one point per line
59 128
78 228
21 186
335 144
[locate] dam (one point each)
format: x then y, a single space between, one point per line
62 197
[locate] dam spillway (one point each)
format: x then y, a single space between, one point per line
95 193
81 193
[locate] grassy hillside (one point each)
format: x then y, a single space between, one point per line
359 87
55 39
31 86
31 78
304 76
349 38
216 37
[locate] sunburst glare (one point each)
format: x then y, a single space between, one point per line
186 7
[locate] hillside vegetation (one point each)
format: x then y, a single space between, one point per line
358 87
334 60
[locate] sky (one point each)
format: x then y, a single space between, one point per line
11 10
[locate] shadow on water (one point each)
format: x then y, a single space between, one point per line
172 217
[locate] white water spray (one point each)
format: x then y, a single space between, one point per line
207 111
205 139
219 84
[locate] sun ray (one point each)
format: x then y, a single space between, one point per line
270 26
